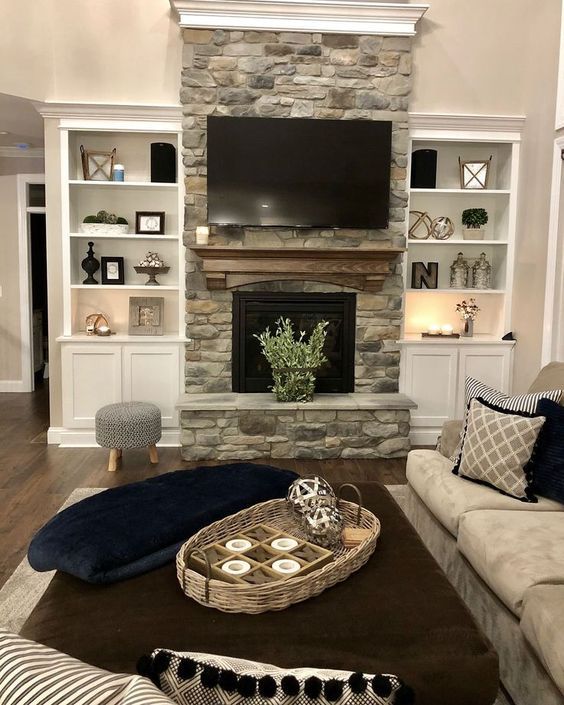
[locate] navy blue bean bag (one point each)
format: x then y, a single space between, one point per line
129 530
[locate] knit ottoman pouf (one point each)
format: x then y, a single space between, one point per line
133 424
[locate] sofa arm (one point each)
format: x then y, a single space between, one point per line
450 435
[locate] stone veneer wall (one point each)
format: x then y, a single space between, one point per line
278 74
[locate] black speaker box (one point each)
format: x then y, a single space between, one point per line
163 162
424 168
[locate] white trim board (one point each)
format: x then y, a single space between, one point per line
101 111
330 16
86 438
457 126
13 385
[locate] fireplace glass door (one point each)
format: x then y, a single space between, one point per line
253 312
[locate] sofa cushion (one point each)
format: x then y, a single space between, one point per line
449 497
190 678
542 623
497 447
129 530
512 551
33 674
550 377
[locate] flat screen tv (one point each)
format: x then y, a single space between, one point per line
294 172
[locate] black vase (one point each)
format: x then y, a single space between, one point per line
90 265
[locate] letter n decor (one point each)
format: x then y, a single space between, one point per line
424 274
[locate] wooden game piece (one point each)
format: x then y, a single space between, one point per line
353 536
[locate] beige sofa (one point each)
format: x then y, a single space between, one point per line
505 557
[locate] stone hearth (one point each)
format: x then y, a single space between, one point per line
251 426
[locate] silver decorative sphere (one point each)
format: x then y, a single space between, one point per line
323 526
307 493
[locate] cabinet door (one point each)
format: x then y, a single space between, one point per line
152 373
491 364
91 379
429 377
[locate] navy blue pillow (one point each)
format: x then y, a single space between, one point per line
129 530
548 457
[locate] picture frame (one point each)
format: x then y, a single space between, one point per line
474 173
146 315
113 270
97 165
150 222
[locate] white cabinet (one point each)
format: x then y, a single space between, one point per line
433 375
101 372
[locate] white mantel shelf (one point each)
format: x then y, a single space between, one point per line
329 16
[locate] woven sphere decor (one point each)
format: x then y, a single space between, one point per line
306 493
324 526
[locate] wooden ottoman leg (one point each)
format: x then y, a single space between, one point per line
153 455
115 454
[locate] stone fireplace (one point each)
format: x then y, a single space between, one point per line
226 412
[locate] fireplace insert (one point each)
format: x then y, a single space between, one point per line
253 312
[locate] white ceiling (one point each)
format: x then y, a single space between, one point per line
21 121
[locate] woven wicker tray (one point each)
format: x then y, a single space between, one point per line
279 594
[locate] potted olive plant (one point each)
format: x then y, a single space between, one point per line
294 362
474 220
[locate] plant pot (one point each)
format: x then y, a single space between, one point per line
467 328
293 383
473 233
104 228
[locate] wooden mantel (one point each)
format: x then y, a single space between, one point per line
358 268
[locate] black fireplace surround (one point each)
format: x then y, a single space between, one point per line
254 311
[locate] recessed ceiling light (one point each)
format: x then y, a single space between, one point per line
4 132
264 205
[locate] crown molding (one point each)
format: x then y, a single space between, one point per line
500 127
101 111
16 152
330 16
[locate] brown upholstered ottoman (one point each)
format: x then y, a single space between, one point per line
398 614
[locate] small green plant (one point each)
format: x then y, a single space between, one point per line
105 217
474 217
294 361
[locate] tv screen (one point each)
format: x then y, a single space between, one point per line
298 173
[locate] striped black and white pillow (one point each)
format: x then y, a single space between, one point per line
522 402
33 674
474 389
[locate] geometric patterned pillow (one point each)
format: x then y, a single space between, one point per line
190 678
474 389
497 448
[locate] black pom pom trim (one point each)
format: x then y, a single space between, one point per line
357 683
228 681
247 686
209 676
187 669
404 695
267 687
290 685
161 662
333 690
145 666
313 687
382 686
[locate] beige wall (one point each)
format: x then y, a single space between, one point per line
502 58
10 348
21 165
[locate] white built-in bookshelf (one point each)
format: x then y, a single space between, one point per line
121 367
433 370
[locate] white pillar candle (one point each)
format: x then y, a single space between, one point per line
202 235
434 329
446 329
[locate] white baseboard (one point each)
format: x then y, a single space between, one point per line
13 385
86 438
424 437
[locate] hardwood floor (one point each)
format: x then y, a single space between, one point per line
36 478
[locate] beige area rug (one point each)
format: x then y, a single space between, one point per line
23 590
